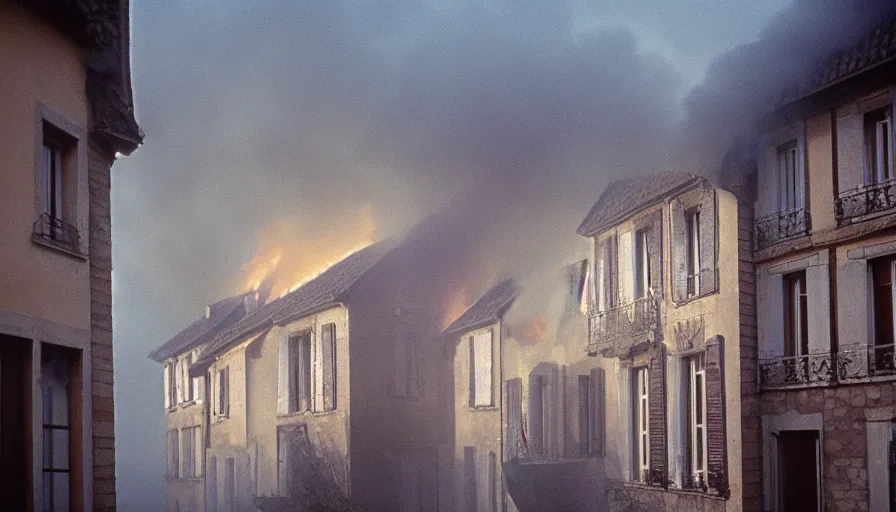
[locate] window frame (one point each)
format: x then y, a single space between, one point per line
222 401
300 365
692 251
640 417
473 389
641 263
796 316
790 177
875 170
697 449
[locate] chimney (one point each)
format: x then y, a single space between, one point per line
250 301
208 312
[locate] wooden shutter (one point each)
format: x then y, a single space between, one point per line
197 384
613 272
212 487
470 498
328 345
598 414
679 276
535 413
482 349
472 369
283 375
585 414
716 437
655 254
514 418
657 411
303 401
188 457
166 375
198 451
707 241
178 380
600 300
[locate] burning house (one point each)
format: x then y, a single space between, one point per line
67 111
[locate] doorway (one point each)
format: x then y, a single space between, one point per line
798 475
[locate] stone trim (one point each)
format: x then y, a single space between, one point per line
871 251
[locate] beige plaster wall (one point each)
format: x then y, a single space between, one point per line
48 69
181 492
819 169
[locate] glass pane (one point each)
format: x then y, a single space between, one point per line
60 492
48 491
698 400
699 446
60 448
47 452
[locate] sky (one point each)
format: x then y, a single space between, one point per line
305 129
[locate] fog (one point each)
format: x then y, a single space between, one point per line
326 125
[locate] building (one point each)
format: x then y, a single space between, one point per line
65 116
665 331
187 407
824 273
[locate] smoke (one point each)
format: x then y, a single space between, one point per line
509 120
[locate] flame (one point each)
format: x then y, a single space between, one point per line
532 330
290 255
457 304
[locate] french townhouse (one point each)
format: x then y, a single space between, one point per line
825 268
330 395
664 328
66 114
186 408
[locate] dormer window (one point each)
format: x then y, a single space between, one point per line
879 144
790 177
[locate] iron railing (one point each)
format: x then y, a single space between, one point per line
617 328
866 200
864 361
780 226
57 232
789 371
693 482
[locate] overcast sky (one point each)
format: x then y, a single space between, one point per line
328 123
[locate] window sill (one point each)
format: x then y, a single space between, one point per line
483 408
186 480
308 413
673 490
50 244
695 298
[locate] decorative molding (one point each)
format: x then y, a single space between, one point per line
689 334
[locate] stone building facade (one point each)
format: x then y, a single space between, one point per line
66 116
824 274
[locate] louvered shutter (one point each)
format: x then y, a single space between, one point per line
535 414
679 278
514 417
600 278
283 376
198 450
166 376
197 384
303 401
657 411
482 349
707 241
598 414
613 271
584 414
328 343
655 254
715 416
179 380
471 352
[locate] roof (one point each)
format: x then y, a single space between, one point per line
622 198
224 314
328 288
487 309
871 49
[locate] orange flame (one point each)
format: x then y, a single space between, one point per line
457 304
532 330
297 255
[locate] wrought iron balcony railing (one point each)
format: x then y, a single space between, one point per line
866 200
864 361
795 371
57 232
780 226
614 331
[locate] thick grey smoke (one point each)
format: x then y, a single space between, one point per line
312 111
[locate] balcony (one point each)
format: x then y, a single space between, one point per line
780 226
796 371
866 200
614 332
858 362
56 233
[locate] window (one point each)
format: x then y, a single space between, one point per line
696 382
790 177
796 319
607 272
884 287
173 454
641 264
326 376
640 418
57 165
591 413
58 402
406 379
224 392
481 369
191 440
879 144
692 251
170 385
300 372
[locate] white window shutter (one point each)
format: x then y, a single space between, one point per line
198 446
283 376
178 380
166 383
482 350
679 251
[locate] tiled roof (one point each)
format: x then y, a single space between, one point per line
873 48
224 314
623 197
487 309
327 288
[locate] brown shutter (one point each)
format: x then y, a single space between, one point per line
657 410
613 262
471 353
304 371
679 271
655 253
328 343
715 416
708 241
514 417
600 295
536 414
471 501
585 414
598 415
